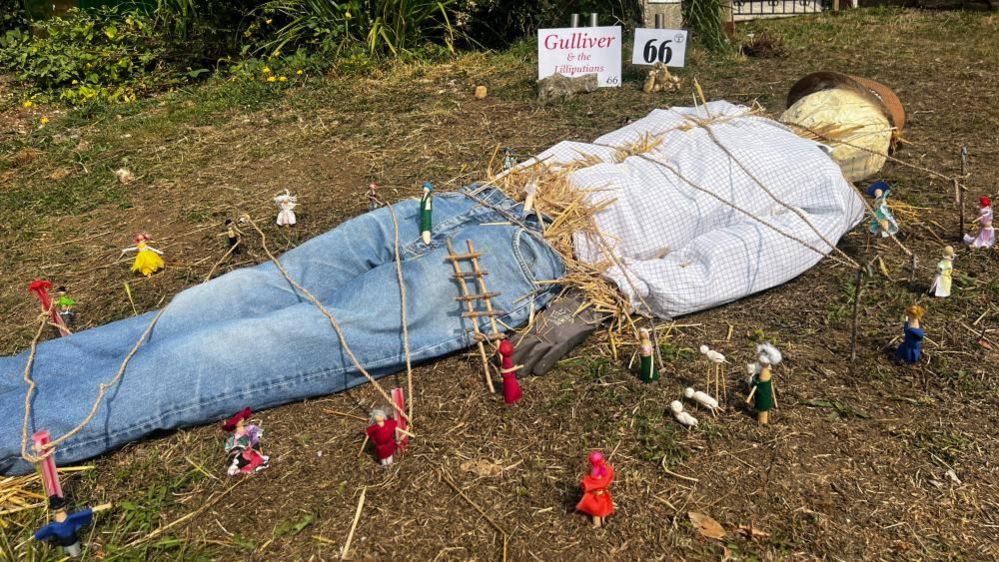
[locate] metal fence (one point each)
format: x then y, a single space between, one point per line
753 9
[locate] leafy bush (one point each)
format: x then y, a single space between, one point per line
330 27
85 56
500 22
12 15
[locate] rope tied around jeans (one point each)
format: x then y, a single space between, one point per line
44 321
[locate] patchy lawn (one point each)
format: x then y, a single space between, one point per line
853 467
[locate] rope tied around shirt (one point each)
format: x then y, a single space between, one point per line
48 448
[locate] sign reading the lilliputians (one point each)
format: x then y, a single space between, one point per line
575 51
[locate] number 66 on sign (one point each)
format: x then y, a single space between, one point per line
668 46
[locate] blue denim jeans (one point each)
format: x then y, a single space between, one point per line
248 338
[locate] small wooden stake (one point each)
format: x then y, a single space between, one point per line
960 232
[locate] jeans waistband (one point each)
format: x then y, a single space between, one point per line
493 197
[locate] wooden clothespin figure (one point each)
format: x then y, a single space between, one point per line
243 446
232 236
761 381
286 203
373 201
702 398
382 432
400 401
945 274
531 189
47 466
426 211
511 387
64 528
911 348
147 259
40 288
509 158
597 501
986 237
716 372
649 373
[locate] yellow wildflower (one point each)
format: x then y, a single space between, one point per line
44 121
28 103
266 70
347 15
75 82
268 22
271 79
282 79
299 72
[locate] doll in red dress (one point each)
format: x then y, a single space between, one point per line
511 387
382 433
597 501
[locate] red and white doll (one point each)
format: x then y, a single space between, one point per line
511 387
243 446
382 433
597 501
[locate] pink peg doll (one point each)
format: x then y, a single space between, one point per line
986 237
511 387
147 260
243 446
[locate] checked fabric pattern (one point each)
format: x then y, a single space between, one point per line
680 242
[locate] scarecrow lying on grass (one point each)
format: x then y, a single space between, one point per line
683 210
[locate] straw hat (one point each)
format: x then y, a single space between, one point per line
877 93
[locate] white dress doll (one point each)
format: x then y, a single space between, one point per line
286 202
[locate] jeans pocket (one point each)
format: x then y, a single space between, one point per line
537 260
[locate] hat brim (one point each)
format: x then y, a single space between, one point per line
878 94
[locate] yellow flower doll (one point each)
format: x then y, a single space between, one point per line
147 260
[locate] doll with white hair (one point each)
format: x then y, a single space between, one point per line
286 202
761 382
382 433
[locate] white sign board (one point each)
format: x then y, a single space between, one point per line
575 51
668 46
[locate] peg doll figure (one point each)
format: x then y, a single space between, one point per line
65 306
426 211
232 236
509 158
147 259
286 203
40 288
911 348
373 201
883 224
243 446
597 501
649 373
64 528
382 433
761 383
511 387
945 274
986 237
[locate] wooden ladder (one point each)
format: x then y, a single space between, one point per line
473 312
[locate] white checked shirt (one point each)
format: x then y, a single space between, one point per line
680 249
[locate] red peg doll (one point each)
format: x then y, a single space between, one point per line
597 501
511 388
382 432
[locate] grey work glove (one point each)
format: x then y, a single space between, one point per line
557 330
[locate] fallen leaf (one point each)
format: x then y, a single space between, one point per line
482 467
752 533
706 525
61 173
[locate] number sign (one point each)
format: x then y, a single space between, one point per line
575 51
668 46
